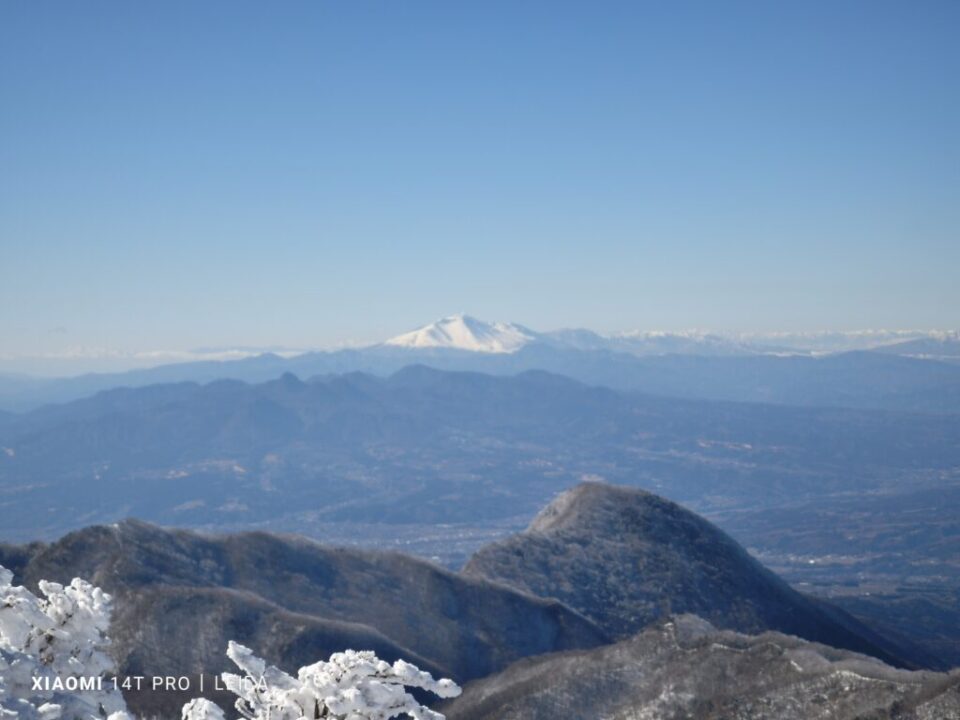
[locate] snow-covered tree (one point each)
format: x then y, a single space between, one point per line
53 661
351 685
52 652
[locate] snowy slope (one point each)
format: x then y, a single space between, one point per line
462 332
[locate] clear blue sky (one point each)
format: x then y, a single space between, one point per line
180 174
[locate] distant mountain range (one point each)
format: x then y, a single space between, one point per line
692 365
439 463
463 332
431 447
181 595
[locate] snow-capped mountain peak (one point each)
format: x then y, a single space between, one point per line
462 332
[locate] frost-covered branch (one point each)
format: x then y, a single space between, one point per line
350 685
53 652
45 643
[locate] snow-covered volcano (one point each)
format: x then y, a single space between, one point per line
462 332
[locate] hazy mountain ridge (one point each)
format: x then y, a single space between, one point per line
942 347
463 332
430 446
692 365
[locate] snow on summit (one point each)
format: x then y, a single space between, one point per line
462 332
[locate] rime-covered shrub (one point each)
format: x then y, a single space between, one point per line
53 652
57 641
349 686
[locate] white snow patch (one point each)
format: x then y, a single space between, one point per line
462 332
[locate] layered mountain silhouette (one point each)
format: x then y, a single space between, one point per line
701 367
180 596
684 668
426 446
624 558
598 564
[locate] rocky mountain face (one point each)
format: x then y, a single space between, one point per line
624 558
180 596
685 669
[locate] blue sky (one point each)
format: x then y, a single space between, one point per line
180 174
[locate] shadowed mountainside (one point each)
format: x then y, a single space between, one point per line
180 596
624 557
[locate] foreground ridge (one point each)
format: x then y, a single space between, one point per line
683 667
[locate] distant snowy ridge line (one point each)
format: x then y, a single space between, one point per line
464 332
